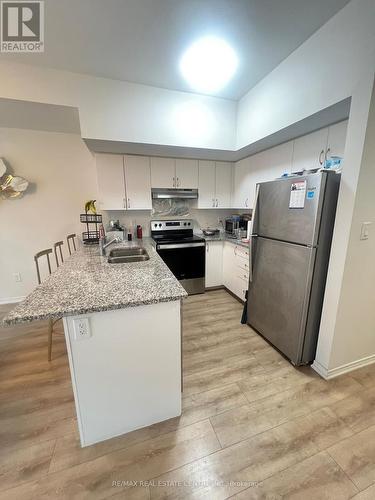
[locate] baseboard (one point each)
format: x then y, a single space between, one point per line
341 370
11 300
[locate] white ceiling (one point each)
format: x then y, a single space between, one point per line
142 40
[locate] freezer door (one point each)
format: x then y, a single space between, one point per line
289 209
279 293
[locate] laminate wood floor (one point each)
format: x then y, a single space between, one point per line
252 427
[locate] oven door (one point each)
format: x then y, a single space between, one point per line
187 261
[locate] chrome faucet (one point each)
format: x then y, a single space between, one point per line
103 245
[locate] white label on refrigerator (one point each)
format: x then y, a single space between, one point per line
297 194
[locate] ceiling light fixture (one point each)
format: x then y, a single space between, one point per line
208 64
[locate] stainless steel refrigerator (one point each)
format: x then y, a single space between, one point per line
293 222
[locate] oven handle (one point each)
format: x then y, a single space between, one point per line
180 245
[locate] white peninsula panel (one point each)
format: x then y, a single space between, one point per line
126 372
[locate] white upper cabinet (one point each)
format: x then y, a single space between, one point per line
223 184
309 151
163 172
242 184
336 139
111 183
174 173
275 162
186 174
138 182
206 184
265 166
215 184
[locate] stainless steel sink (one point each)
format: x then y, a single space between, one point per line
126 255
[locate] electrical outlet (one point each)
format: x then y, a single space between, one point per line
17 277
81 328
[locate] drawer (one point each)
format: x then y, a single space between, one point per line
243 264
243 275
241 252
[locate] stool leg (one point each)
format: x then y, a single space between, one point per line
50 330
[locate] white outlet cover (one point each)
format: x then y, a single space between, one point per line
81 329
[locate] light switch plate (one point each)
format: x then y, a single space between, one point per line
365 228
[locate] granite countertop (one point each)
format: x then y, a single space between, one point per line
87 283
223 237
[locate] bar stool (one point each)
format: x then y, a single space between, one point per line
56 246
51 322
70 238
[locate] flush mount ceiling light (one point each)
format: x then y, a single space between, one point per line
208 64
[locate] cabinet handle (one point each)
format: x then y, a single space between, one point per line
178 182
213 202
174 182
328 153
246 202
128 202
320 157
207 247
124 202
217 202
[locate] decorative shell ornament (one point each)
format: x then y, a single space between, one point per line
11 186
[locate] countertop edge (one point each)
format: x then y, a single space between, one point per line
93 310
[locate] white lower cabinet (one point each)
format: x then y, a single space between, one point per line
214 263
236 269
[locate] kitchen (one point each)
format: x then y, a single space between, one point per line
151 364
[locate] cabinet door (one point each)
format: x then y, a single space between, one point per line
138 182
187 174
163 172
242 184
223 184
111 184
229 267
206 184
337 139
309 150
214 263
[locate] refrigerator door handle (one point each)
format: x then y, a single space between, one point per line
255 209
252 235
251 252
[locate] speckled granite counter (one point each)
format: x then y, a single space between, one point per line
87 283
224 237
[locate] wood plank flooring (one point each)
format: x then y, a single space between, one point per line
252 427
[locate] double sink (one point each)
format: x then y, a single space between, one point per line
127 255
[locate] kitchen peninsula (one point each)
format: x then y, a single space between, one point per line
122 325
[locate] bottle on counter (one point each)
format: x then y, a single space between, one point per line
139 232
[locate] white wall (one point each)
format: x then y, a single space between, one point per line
61 170
123 111
321 72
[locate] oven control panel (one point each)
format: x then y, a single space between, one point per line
171 225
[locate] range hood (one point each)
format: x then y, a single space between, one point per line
167 193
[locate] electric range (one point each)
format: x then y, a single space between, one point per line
182 251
